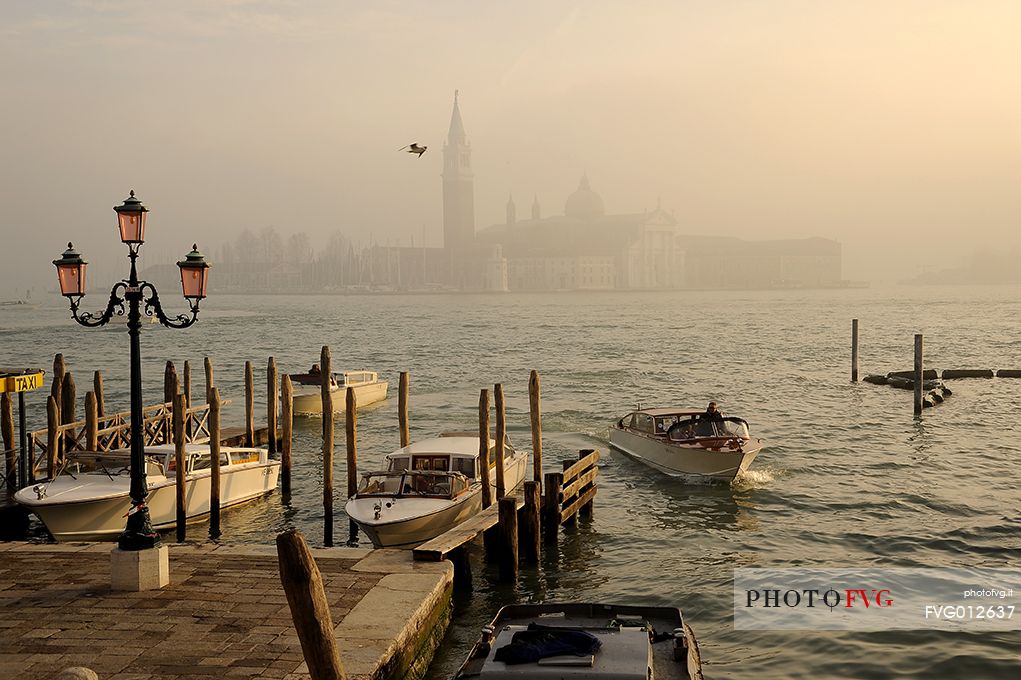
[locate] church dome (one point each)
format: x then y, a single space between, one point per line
584 204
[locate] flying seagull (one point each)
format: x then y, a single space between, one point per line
414 148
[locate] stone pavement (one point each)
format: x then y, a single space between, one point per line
224 613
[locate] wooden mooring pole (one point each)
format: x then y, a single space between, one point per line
287 426
586 509
169 383
249 404
535 417
186 390
501 436
402 408
10 446
52 441
918 374
551 506
310 610
97 387
91 422
214 458
350 431
571 519
208 365
179 465
530 540
327 397
271 403
854 350
508 523
487 491
68 410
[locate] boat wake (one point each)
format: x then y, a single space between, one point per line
757 478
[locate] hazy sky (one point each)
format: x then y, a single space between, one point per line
894 126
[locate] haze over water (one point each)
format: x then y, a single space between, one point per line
848 477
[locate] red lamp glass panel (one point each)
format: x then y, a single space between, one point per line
194 281
72 279
132 226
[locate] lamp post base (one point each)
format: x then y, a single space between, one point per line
138 534
137 570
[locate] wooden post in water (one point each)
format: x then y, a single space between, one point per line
535 416
52 440
402 408
508 510
187 399
68 410
551 522
214 460
10 447
249 404
169 383
310 610
530 523
287 425
501 436
487 491
854 350
208 364
56 391
271 403
91 422
350 425
327 397
97 387
179 465
918 374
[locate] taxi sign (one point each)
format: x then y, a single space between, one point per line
22 383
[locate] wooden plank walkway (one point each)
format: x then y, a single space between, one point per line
438 548
224 614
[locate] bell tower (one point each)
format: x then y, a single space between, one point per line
458 187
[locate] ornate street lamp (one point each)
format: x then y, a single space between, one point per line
138 534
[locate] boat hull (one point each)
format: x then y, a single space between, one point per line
309 402
687 461
104 518
436 516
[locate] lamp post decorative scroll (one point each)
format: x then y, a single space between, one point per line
138 296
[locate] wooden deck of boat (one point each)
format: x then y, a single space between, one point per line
440 547
224 613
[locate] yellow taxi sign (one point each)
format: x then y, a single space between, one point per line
23 383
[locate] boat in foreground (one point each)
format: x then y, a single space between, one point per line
308 394
427 488
686 443
89 500
558 641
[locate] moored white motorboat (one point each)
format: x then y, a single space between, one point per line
308 395
686 443
564 641
89 499
427 488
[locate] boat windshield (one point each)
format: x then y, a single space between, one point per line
414 484
700 428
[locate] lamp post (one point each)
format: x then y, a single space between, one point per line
140 296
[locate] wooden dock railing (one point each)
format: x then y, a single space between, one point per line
113 431
571 491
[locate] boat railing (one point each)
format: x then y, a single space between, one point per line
414 484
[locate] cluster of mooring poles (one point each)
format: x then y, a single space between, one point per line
927 385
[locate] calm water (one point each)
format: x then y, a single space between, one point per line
848 478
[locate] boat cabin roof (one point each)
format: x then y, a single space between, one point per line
675 411
455 446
